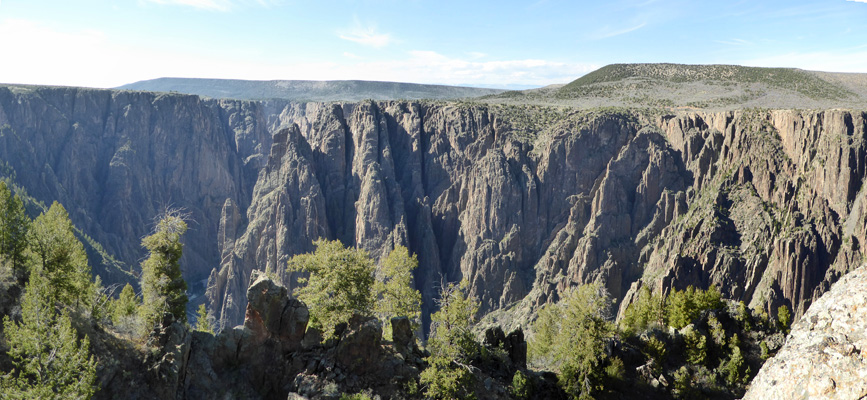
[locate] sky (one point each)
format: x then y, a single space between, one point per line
502 44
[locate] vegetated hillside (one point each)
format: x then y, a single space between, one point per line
715 87
297 90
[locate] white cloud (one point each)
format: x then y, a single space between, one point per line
608 32
214 5
737 42
366 35
47 56
858 1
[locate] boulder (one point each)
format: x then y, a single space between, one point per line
359 346
825 355
271 314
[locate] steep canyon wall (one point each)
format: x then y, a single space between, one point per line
767 205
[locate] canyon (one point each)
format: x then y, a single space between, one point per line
522 201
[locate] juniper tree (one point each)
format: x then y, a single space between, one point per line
339 285
57 254
569 336
163 287
14 224
451 344
49 360
393 288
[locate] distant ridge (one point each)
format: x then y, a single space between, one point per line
351 90
701 87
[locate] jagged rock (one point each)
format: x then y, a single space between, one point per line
272 314
401 332
513 343
359 345
825 355
767 205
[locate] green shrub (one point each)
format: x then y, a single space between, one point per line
340 284
451 345
569 337
696 346
784 319
522 386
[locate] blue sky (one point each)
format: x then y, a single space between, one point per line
106 43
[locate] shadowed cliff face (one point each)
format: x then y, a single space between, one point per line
118 159
767 205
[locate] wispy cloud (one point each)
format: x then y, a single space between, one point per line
607 32
108 62
737 42
858 1
366 35
213 5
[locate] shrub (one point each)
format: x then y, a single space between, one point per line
340 284
570 335
451 345
522 387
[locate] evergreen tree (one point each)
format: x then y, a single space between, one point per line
14 224
569 336
394 291
57 254
203 320
49 361
784 318
451 345
163 287
124 313
340 284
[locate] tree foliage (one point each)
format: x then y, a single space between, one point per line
683 306
393 288
784 318
645 311
14 225
451 345
569 336
57 254
50 362
203 320
163 287
340 283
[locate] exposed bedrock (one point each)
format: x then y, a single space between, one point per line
767 205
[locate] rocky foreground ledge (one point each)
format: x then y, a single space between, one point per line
274 355
825 355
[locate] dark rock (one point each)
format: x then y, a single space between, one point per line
401 332
359 347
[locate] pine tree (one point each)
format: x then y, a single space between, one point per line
49 361
569 336
340 284
203 320
124 311
14 224
57 254
163 287
394 291
451 345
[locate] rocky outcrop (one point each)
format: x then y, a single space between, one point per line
764 205
116 159
825 355
767 205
